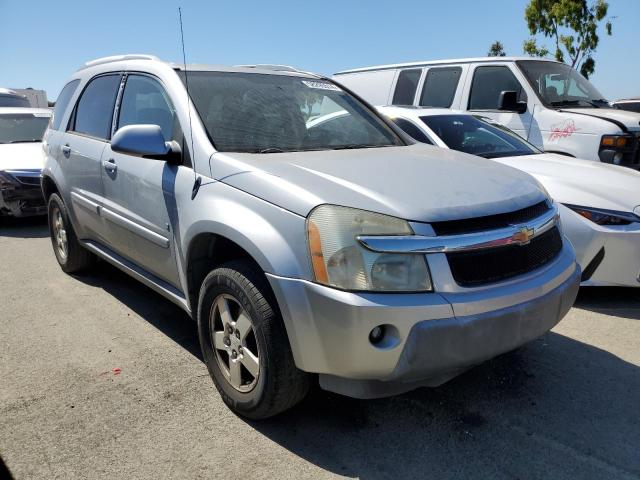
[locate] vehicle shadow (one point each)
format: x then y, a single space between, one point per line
167 317
28 227
556 408
616 301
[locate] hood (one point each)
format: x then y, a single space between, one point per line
21 156
582 182
631 120
417 182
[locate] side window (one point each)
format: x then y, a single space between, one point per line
488 83
145 102
406 87
62 102
413 131
94 110
440 87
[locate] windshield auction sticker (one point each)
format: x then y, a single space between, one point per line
321 85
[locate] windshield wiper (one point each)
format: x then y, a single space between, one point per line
356 145
271 150
575 103
32 140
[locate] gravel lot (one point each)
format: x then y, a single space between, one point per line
565 406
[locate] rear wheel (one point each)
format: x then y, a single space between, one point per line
72 257
245 345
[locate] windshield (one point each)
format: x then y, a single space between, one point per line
559 85
478 136
22 127
262 113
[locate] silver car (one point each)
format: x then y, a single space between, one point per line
342 251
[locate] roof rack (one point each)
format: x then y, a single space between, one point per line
268 66
117 58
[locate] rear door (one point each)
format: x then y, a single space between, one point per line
87 135
483 95
139 201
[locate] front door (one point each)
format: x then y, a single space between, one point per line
487 82
139 192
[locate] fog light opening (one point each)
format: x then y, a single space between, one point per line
384 336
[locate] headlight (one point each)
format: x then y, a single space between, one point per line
338 259
605 217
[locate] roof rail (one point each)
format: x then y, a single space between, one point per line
117 58
268 66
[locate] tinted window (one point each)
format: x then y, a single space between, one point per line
259 113
406 87
440 87
145 102
62 102
478 136
630 106
412 130
94 110
488 83
13 101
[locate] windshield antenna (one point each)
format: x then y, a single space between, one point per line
197 179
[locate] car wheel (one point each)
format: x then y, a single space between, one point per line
245 345
72 257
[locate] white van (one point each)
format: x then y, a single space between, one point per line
546 102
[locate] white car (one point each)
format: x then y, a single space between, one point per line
600 207
21 160
545 102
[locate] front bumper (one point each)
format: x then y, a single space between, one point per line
19 198
437 335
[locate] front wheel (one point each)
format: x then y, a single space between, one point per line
245 345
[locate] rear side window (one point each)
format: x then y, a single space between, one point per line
412 130
94 111
62 102
488 83
440 87
145 102
406 87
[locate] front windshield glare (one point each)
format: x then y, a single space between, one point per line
21 128
262 113
477 136
559 85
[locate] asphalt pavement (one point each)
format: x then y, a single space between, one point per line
102 378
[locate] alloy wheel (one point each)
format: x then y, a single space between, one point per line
234 342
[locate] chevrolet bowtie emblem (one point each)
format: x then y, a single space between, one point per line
523 236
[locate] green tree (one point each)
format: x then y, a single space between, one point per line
496 50
573 25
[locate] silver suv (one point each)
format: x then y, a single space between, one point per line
336 249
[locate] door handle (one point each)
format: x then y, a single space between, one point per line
66 150
110 166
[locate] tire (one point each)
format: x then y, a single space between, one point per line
278 385
74 258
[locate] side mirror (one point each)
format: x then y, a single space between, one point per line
508 102
145 141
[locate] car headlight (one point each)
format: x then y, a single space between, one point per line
7 180
605 217
340 261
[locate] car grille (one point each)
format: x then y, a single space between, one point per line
491 222
500 263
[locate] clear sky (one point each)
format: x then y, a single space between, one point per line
43 42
